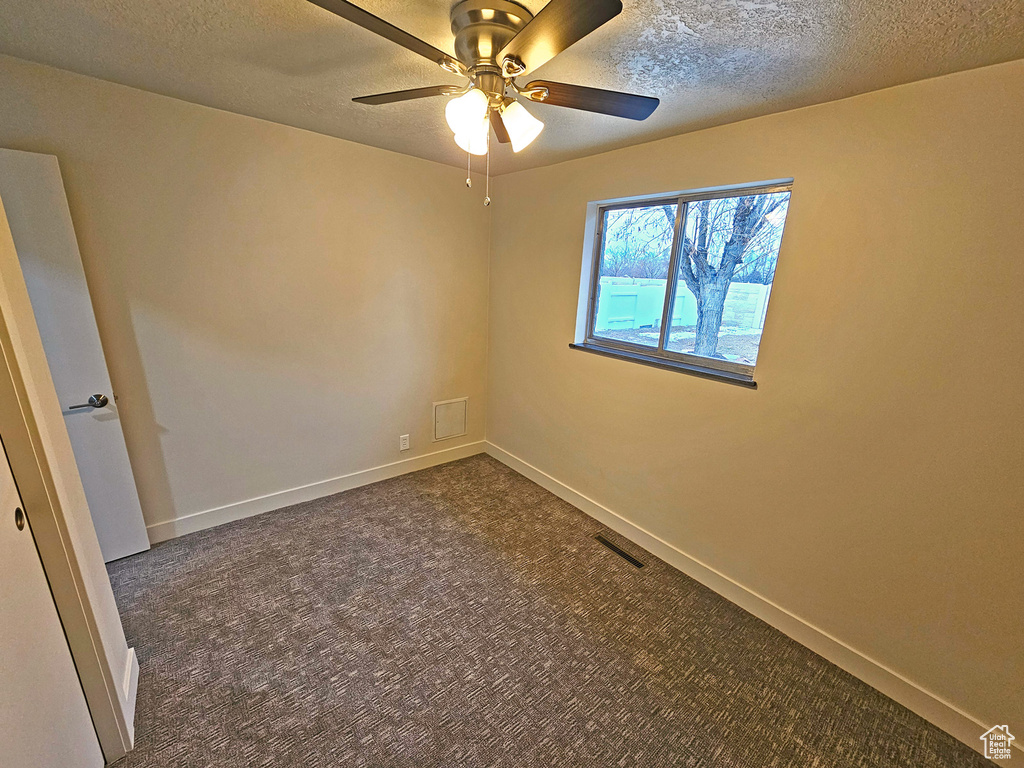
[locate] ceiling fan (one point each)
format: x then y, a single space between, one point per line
497 41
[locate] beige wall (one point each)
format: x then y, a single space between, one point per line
874 484
276 306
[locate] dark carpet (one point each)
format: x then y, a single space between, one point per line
464 617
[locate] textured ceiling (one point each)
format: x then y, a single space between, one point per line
709 61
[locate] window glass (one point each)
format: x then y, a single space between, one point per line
722 263
636 253
729 251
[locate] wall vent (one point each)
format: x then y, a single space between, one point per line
450 418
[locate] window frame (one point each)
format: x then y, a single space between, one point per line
660 355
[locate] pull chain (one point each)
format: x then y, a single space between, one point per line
487 178
469 161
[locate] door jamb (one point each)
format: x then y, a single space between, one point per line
54 502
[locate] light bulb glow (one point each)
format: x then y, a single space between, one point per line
466 111
522 127
474 140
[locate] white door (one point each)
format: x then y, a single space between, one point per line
44 720
37 211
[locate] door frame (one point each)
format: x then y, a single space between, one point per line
39 452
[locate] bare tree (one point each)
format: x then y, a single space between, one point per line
720 237
637 244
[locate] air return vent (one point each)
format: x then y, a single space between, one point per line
450 418
619 551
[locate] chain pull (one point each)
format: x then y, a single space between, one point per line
487 181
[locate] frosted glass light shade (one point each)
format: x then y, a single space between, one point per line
463 113
474 140
522 127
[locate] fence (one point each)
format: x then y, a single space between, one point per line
626 303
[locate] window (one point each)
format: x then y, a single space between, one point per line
684 281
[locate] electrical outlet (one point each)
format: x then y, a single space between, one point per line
403 443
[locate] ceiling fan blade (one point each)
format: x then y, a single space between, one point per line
367 20
594 100
412 93
558 25
499 127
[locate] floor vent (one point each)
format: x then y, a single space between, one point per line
619 551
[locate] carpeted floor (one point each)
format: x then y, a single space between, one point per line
463 617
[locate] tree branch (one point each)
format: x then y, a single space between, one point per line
686 268
698 252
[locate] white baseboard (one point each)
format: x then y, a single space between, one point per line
932 708
198 521
130 689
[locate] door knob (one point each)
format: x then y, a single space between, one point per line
96 401
19 519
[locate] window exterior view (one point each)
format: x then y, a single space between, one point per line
687 279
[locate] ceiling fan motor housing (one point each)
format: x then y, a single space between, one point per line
497 41
482 29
